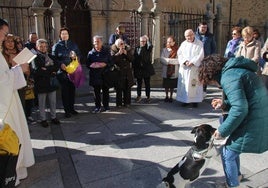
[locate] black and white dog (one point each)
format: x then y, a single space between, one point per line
194 161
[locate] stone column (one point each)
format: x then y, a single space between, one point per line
38 10
55 9
144 13
39 21
209 17
156 30
219 20
156 40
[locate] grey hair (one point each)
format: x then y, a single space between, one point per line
118 42
97 37
41 41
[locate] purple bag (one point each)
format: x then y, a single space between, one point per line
78 77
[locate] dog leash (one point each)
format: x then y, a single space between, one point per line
199 155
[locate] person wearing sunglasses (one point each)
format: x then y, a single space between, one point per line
233 44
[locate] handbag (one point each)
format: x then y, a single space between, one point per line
29 93
29 90
72 66
9 151
54 82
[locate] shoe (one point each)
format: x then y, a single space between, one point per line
74 112
44 123
195 104
68 115
138 99
184 104
96 110
166 99
170 100
148 100
107 109
55 121
30 119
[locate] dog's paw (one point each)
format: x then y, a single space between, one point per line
169 179
163 185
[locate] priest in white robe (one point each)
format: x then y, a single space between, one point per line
11 111
190 54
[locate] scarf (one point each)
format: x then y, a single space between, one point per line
173 53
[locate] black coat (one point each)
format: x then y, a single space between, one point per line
43 70
142 63
123 61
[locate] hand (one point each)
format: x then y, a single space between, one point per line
25 68
216 103
217 135
63 66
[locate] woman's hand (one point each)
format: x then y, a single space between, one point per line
216 103
217 135
63 66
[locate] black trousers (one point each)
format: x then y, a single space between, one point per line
105 95
147 84
123 93
67 95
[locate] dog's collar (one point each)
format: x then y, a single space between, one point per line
199 155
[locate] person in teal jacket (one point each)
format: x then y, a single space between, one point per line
246 126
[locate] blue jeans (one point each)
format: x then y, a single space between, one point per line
231 166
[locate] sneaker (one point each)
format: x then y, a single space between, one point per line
44 123
138 99
170 100
107 109
55 121
166 99
96 110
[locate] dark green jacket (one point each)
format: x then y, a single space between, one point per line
247 99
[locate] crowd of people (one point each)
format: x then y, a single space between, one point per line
187 68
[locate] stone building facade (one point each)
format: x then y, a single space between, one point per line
85 18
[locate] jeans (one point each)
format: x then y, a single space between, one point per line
231 166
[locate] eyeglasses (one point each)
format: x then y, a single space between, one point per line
234 34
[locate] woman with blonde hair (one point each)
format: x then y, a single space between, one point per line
250 48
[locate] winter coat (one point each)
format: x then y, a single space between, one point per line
247 100
43 70
96 74
165 60
251 50
208 42
124 62
142 63
61 52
